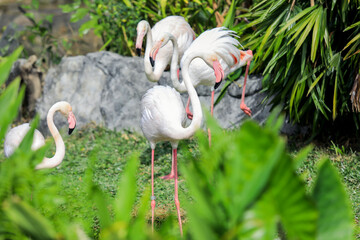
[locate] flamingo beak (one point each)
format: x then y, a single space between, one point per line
139 40
138 51
154 51
72 122
219 73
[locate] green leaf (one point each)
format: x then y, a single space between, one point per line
28 219
287 193
352 40
294 19
79 14
335 219
10 101
128 3
6 64
124 202
86 26
316 35
335 98
269 31
229 19
305 33
35 4
163 7
315 82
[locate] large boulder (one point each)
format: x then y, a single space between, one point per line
106 88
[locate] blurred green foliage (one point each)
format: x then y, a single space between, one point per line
245 186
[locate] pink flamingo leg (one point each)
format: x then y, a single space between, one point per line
152 190
212 112
172 173
187 109
243 106
177 203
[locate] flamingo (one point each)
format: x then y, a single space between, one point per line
200 73
163 114
221 41
14 137
177 26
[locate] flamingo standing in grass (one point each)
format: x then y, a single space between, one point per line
15 136
163 113
200 73
177 26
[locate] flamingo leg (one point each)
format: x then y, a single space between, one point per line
177 202
211 111
172 174
152 190
187 109
243 106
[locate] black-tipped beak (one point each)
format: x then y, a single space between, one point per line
217 84
71 130
138 51
152 61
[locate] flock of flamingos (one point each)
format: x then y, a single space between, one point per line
205 60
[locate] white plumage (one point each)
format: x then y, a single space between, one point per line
15 136
163 114
222 42
178 27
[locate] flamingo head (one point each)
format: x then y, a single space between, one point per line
213 62
245 56
156 47
66 110
142 28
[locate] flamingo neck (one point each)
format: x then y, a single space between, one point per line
180 87
195 101
59 143
150 74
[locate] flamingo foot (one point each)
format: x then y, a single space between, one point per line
169 176
245 108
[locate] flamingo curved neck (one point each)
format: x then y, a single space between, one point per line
180 87
150 74
59 143
195 101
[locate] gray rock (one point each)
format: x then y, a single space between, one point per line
106 88
9 40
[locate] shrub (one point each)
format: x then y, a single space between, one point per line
307 54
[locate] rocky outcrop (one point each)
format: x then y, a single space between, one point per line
31 77
106 88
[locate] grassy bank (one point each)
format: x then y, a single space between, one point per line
113 149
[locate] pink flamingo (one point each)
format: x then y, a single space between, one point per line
177 26
163 114
200 73
15 136
221 41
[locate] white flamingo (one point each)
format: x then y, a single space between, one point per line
163 114
201 74
177 26
14 137
222 42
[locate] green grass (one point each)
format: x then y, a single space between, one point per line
114 148
346 161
